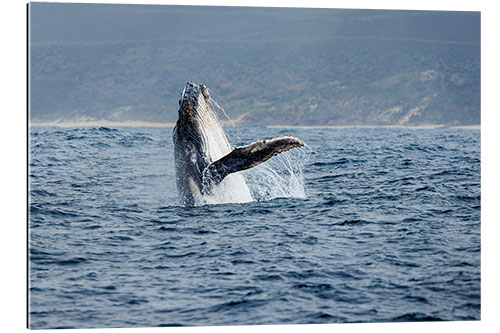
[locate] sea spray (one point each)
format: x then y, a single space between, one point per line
219 110
280 177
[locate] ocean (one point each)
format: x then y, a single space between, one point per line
360 225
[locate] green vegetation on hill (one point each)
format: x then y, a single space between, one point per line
324 75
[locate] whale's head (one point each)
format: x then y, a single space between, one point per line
198 126
194 103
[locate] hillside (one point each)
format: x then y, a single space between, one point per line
267 66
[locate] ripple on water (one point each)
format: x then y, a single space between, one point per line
386 231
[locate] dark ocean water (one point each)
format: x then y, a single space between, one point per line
388 230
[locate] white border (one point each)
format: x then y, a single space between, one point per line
13 141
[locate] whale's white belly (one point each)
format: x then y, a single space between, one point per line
233 189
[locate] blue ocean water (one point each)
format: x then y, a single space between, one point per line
362 225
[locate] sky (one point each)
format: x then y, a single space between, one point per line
59 22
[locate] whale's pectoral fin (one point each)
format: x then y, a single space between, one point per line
245 157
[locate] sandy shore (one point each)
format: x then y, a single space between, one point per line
102 123
105 123
474 127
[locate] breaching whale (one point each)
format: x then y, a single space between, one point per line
206 166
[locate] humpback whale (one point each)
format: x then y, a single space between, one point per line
206 167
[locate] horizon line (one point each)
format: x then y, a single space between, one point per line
105 123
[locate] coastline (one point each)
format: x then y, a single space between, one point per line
105 123
100 123
472 127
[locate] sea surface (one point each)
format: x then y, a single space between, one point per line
361 225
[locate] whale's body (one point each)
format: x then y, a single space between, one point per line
206 166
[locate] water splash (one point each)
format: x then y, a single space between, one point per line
218 111
280 177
